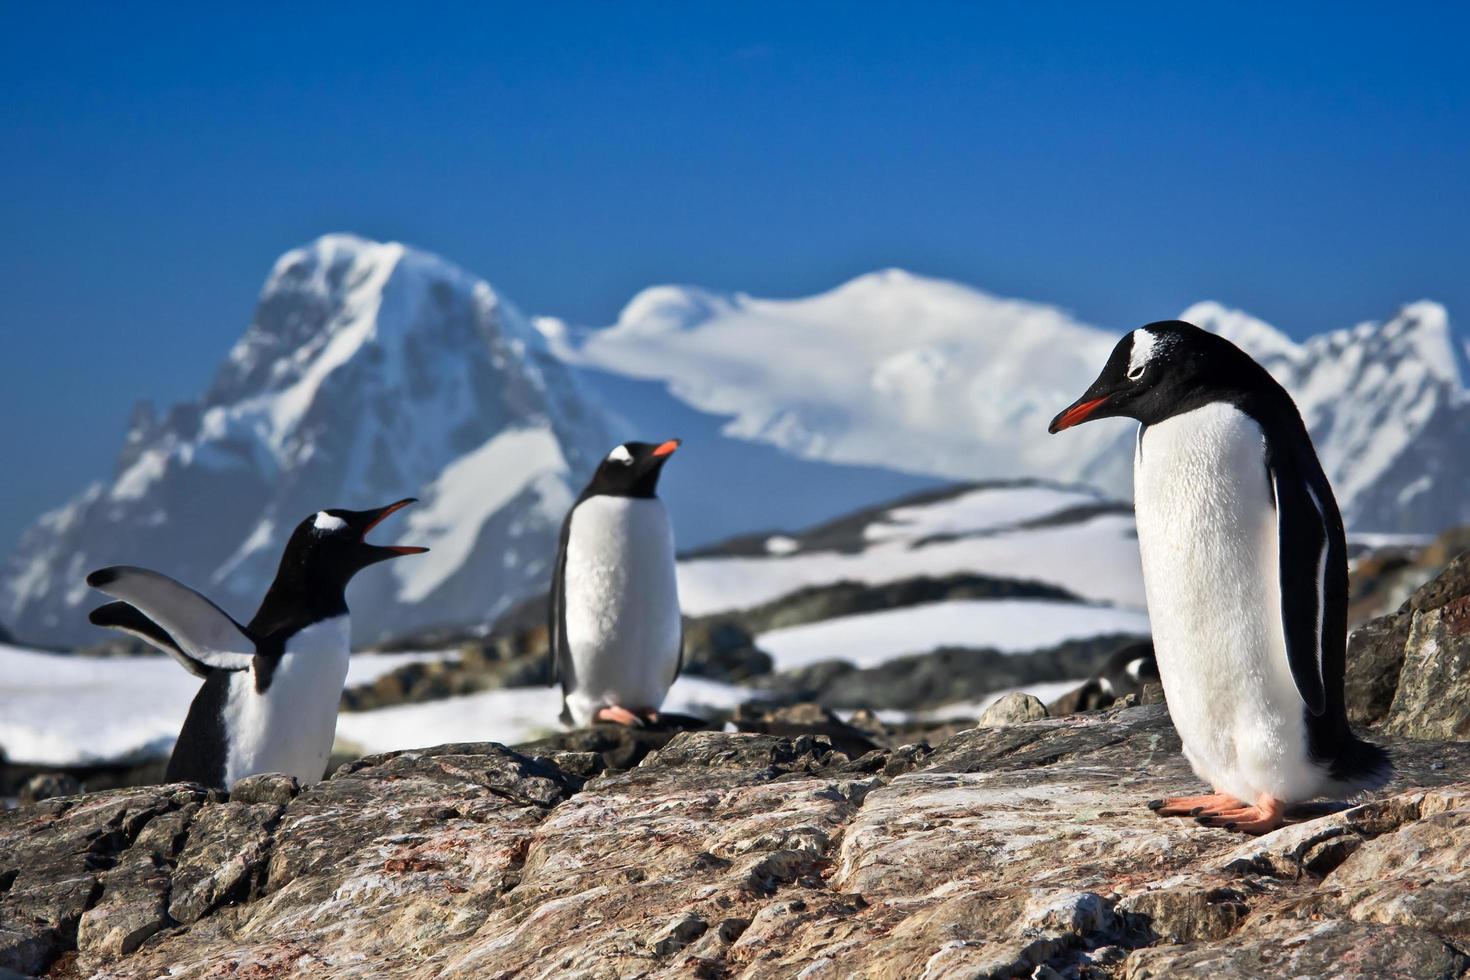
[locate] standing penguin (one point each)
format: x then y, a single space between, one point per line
1245 569
271 688
617 639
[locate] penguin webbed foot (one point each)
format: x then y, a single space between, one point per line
616 714
1195 806
1266 815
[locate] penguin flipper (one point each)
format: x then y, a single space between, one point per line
126 618
1312 550
561 663
198 628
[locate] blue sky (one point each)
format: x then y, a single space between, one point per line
1308 165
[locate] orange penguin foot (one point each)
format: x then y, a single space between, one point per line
1194 806
1268 814
618 715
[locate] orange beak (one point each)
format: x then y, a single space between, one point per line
667 448
1075 414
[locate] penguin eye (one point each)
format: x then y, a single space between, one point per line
1137 372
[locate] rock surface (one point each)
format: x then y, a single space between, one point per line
1013 709
1410 670
1016 851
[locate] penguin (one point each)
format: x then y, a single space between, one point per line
617 637
1245 573
271 687
1125 672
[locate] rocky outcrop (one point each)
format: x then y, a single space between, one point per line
1410 670
941 677
1021 850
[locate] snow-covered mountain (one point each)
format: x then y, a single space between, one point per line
1388 408
933 377
375 371
370 372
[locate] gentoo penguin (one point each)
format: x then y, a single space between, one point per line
1125 672
271 688
1245 571
617 640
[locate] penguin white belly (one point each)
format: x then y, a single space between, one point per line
1208 536
621 605
290 726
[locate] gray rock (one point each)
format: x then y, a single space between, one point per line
1013 709
224 859
47 785
677 934
1023 850
806 718
1376 651
1433 695
55 856
134 901
935 678
1294 948
266 787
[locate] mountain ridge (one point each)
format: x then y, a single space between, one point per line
371 371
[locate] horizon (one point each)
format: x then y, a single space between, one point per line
1305 167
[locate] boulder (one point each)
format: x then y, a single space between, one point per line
1013 709
1432 699
1376 657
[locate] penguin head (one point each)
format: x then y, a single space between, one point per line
1157 371
632 469
331 546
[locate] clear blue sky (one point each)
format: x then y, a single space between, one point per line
1308 165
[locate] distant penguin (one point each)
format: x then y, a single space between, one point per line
1125 672
617 638
1245 570
271 688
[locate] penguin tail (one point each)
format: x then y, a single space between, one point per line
1362 765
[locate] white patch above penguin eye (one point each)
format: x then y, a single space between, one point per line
327 524
620 455
1141 353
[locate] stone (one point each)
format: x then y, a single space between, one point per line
55 856
135 894
1022 850
1013 709
1379 650
1375 655
267 787
48 785
1295 948
677 934
805 718
1186 914
224 859
1432 699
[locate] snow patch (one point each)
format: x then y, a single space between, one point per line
469 492
66 710
1007 625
